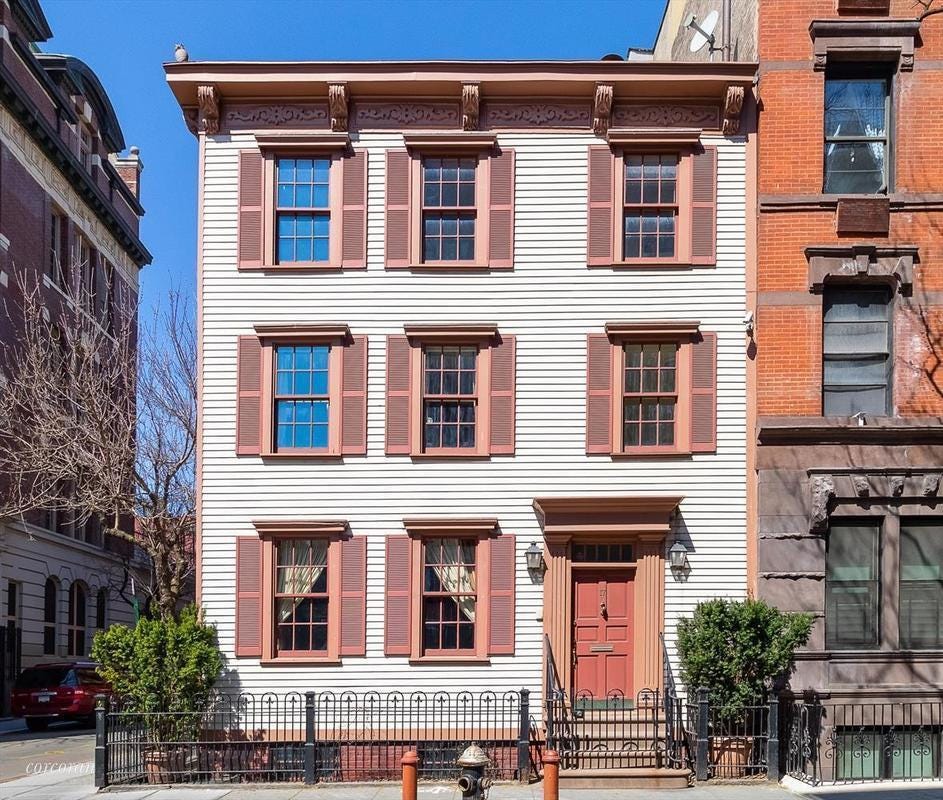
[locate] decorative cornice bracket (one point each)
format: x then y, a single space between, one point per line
733 106
471 102
337 100
602 108
207 120
822 489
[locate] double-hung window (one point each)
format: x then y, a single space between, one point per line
450 398
857 132
301 596
303 214
58 248
650 212
449 596
856 368
650 395
302 396
921 585
853 585
448 209
85 147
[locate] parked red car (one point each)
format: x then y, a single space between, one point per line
58 692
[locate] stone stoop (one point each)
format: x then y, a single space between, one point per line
632 778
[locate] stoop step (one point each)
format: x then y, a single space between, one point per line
630 778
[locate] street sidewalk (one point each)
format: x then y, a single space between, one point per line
60 786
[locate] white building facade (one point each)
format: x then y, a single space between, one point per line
450 313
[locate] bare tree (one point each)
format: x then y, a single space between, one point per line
100 429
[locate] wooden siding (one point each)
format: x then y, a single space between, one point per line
550 301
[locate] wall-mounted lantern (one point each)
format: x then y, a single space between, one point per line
678 557
535 558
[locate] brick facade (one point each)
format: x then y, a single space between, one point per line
799 450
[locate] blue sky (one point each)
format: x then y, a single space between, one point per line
126 42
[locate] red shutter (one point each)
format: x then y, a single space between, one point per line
502 395
397 209
398 586
248 597
354 242
251 190
354 399
704 207
397 395
501 595
598 393
249 396
704 394
599 226
501 215
354 596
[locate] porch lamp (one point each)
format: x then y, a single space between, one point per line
535 558
678 556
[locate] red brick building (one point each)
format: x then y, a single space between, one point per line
69 215
846 338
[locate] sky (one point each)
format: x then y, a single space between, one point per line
126 42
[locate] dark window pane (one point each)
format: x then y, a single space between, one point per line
852 586
855 107
921 585
854 168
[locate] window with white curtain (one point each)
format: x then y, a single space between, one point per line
301 596
449 595
856 367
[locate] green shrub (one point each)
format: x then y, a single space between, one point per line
737 650
164 665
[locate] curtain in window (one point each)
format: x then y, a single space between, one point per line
301 567
456 577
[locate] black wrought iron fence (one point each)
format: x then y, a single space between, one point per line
734 746
314 737
833 742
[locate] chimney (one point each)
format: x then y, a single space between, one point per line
129 169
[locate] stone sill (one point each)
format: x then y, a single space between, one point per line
847 430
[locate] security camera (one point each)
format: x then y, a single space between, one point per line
748 321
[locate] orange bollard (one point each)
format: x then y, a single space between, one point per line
551 775
410 763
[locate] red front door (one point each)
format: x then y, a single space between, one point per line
603 607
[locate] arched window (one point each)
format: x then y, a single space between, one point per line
50 608
76 627
101 609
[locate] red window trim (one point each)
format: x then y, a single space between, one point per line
681 333
420 336
335 336
270 532
482 529
684 203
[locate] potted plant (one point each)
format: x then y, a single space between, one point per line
162 672
737 650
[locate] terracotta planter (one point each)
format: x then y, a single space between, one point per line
164 764
730 756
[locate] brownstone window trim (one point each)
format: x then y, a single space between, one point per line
333 535
889 520
335 337
683 336
482 532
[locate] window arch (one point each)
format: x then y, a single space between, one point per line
101 609
50 613
78 602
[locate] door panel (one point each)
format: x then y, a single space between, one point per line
603 606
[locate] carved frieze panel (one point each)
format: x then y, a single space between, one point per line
665 115
276 115
501 114
418 114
